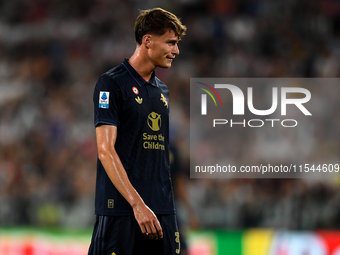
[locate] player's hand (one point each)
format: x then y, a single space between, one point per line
147 221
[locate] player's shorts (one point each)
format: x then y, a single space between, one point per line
121 235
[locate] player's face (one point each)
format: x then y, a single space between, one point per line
163 49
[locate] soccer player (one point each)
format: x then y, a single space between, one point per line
134 203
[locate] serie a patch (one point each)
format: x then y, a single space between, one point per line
104 99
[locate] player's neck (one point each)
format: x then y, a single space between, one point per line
140 63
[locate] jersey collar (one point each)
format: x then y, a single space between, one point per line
136 76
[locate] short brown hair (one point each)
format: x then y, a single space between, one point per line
157 21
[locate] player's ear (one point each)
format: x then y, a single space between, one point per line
146 40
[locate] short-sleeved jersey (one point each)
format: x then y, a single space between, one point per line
140 111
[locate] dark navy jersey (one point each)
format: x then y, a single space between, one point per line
140 111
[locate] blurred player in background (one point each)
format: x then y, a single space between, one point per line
180 177
134 204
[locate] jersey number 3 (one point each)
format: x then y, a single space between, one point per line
177 241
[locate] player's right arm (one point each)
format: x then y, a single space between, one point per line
147 220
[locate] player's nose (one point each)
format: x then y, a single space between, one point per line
175 50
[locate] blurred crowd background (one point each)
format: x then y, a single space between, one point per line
52 53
